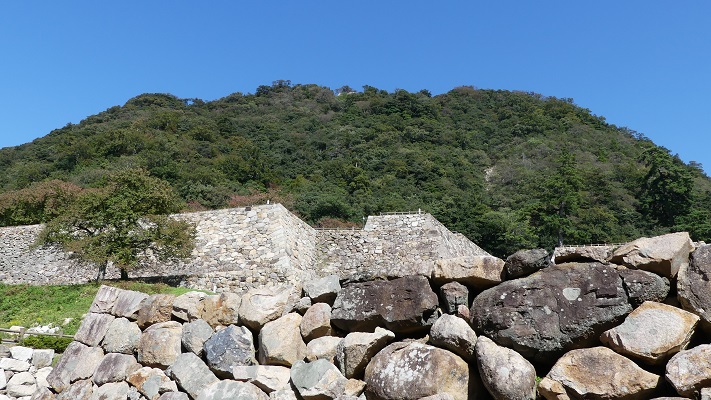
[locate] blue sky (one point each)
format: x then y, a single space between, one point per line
645 65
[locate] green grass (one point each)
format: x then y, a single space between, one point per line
28 306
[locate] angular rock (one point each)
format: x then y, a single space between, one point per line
323 290
652 333
303 305
559 308
155 309
195 334
355 351
105 300
454 334
582 254
41 376
231 346
21 384
160 344
128 302
111 391
598 373
151 382
643 286
115 367
44 393
690 370
353 388
269 378
525 262
78 362
285 394
232 390
21 353
174 396
480 272
10 364
93 329
280 341
694 286
3 379
261 305
412 370
191 374
122 337
403 305
505 373
220 310
79 390
185 306
42 357
663 255
316 322
317 380
322 348
452 295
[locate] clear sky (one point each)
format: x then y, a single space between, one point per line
645 65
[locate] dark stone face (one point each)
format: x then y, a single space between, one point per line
403 305
560 308
694 285
228 347
526 262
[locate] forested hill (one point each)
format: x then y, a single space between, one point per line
509 170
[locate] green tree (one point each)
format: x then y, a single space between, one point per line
666 191
561 200
124 223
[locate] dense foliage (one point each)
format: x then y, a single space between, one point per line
507 169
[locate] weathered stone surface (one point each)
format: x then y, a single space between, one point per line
598 373
115 367
3 379
525 262
316 322
21 353
694 286
78 362
122 337
262 305
195 334
232 390
323 290
44 393
556 309
220 310
266 377
285 394
280 341
452 295
160 344
41 376
185 306
79 390
355 351
155 309
231 346
322 348
174 396
643 286
111 391
410 371
403 305
303 305
21 384
690 370
42 357
582 254
663 255
353 388
480 272
455 335
505 373
105 300
191 374
653 332
151 382
93 328
10 364
128 302
319 380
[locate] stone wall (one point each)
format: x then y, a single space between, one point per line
259 246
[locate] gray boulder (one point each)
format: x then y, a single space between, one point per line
261 305
105 300
663 255
195 334
231 346
269 378
122 337
185 306
21 384
115 367
191 374
525 262
643 286
322 348
355 351
582 254
452 295
42 358
174 396
694 287
21 353
319 380
79 390
78 362
280 341
155 309
316 322
455 335
128 302
559 308
690 370
403 305
220 310
111 391
93 328
232 390
151 382
480 272
44 393
160 344
505 373
323 290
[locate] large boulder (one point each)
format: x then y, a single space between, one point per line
505 373
643 286
127 304
598 373
652 333
269 378
455 335
559 308
111 391
280 341
155 309
403 305
355 351
185 306
323 348
220 310
122 337
78 362
232 390
452 295
115 367
231 346
525 262
568 254
663 255
151 382
160 344
318 380
261 305
412 370
480 272
195 334
316 321
21 384
694 285
79 390
191 374
93 328
690 370
323 290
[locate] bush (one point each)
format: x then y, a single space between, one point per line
58 344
